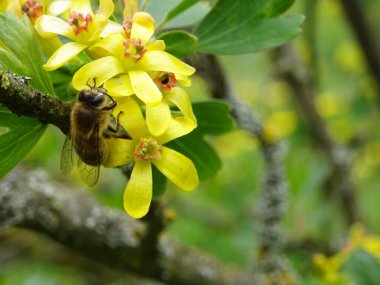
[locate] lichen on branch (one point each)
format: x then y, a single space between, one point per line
22 99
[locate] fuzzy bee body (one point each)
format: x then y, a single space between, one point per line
91 119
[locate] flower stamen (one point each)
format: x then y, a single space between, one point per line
79 22
127 26
147 149
32 8
166 80
134 48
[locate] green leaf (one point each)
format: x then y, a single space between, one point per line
27 57
214 117
182 6
244 26
179 43
23 56
190 13
204 157
18 135
191 17
159 182
363 267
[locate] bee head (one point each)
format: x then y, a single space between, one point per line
97 98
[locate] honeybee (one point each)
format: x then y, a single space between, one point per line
90 122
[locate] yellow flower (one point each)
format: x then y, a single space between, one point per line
330 268
158 117
144 149
58 7
3 6
131 59
83 28
32 8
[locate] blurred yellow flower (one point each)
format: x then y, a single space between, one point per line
329 268
348 56
279 125
329 104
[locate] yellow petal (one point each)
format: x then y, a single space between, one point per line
156 45
57 7
158 118
138 193
106 8
14 7
50 45
177 168
158 60
132 120
64 54
111 28
178 127
47 26
101 22
183 80
120 152
113 44
82 6
142 27
119 86
144 87
181 99
3 6
130 7
101 70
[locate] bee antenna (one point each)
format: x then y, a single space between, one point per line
109 97
88 82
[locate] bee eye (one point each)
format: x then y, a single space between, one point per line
97 100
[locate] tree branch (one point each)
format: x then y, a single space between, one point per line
272 267
294 72
24 100
360 25
73 218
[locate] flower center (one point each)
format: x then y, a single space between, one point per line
79 22
147 149
127 26
32 8
166 80
134 48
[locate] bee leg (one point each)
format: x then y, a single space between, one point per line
117 127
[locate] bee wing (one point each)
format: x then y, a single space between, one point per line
88 173
67 160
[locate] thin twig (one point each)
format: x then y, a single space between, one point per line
271 266
361 27
294 72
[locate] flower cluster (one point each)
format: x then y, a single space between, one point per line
330 268
144 79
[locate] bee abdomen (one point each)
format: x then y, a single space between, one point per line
90 153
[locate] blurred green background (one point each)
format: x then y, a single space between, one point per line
219 216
